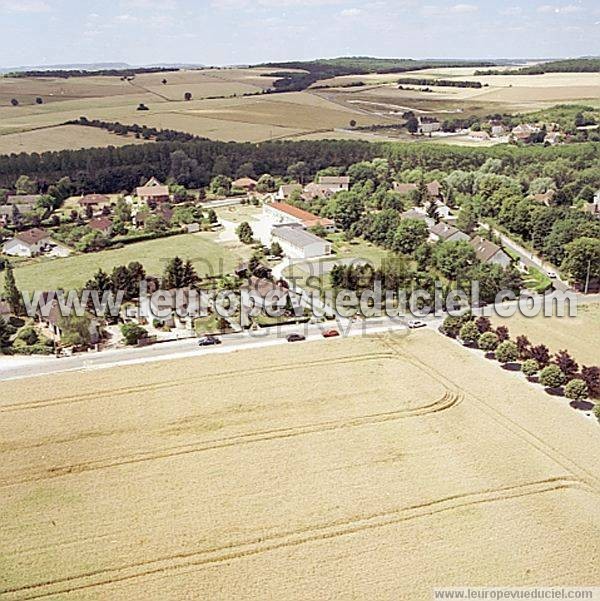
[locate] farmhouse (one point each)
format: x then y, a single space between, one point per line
245 183
334 183
442 232
297 243
33 242
153 191
102 225
428 125
488 252
281 213
287 190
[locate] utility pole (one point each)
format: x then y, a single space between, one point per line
587 277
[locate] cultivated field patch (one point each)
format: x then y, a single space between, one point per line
326 470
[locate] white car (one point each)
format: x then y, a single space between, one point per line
551 274
413 324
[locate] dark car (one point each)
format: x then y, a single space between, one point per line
208 341
295 338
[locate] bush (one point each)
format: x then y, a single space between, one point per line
132 333
530 367
552 377
577 390
597 411
469 334
488 341
507 351
28 336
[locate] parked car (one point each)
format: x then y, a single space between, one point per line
551 274
330 333
295 338
413 324
208 341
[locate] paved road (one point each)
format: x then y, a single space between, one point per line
530 259
22 367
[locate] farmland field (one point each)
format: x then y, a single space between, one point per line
74 271
62 137
373 468
579 335
228 104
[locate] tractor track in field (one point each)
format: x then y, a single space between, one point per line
287 539
448 400
169 384
515 428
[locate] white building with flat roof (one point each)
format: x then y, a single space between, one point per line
297 243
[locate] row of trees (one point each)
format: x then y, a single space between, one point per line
553 372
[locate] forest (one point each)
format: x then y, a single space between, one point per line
571 65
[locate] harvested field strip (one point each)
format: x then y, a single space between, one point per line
316 532
447 401
508 424
169 384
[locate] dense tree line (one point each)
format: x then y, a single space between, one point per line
572 65
309 72
453 83
66 73
139 131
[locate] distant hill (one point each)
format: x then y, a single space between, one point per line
570 65
359 65
93 69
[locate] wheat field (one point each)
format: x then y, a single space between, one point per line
371 468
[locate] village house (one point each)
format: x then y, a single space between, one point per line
281 213
9 214
101 224
553 138
497 129
443 232
488 252
94 201
297 243
428 125
258 294
480 136
434 189
333 183
287 190
245 183
420 214
153 191
33 242
524 131
314 191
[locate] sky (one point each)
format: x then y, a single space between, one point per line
226 32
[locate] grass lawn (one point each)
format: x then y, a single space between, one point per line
207 255
356 249
536 280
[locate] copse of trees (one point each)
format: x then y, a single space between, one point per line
451 83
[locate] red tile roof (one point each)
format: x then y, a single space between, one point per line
101 223
308 219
